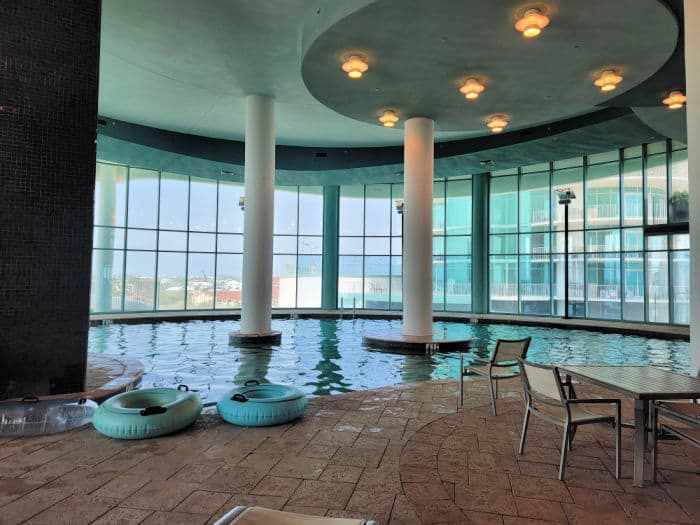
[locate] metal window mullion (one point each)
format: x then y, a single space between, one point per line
216 241
620 221
364 238
517 237
645 190
187 240
444 245
296 270
669 193
126 236
156 284
585 231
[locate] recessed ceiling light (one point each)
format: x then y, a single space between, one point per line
355 66
675 100
471 89
497 123
532 22
608 80
389 119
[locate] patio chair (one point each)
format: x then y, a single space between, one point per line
687 414
261 516
502 365
543 389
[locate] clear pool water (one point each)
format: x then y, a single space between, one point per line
326 356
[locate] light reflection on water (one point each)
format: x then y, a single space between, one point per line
326 356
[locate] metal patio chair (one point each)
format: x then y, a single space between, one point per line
242 515
502 365
687 414
543 389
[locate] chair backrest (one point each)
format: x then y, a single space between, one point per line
511 349
542 383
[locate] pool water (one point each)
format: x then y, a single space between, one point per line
326 356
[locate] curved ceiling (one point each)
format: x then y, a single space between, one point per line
420 52
187 66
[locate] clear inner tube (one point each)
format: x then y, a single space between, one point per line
33 417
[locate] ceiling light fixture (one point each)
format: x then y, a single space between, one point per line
532 22
608 80
497 123
675 100
355 66
389 119
471 89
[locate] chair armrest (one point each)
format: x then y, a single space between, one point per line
479 362
505 363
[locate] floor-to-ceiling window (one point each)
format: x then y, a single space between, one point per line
621 266
165 241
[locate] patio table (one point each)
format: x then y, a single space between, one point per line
644 384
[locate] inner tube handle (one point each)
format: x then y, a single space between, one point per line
152 411
183 388
251 382
239 397
30 399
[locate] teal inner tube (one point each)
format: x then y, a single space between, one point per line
260 405
147 413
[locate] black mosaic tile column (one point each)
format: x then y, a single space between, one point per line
49 58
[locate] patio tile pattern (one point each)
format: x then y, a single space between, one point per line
401 455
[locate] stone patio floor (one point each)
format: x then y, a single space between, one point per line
399 455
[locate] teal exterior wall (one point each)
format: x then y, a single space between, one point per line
480 252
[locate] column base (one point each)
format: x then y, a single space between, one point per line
249 339
396 341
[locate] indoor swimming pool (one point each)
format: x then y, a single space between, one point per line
326 356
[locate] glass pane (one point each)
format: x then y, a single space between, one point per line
143 198
284 244
571 178
396 283
309 281
311 245
656 189
377 245
110 238
633 152
633 239
438 245
603 195
396 217
503 284
575 242
500 244
503 205
534 202
311 210
534 285
656 147
603 241
174 190
458 283
680 241
230 213
172 241
203 200
438 208
350 245
657 242
141 239
603 277
286 201
397 246
351 210
534 243
633 276
458 245
576 285
200 281
202 242
568 163
607 156
376 283
377 209
229 271
657 287
230 243
459 207
679 186
633 198
106 285
533 168
438 282
284 281
171 281
680 292
350 281
110 194
140 281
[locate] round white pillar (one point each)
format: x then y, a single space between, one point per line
258 215
418 227
692 86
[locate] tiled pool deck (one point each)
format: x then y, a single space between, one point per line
399 455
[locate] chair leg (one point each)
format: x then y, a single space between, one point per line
654 443
495 385
524 432
493 396
461 380
564 447
572 435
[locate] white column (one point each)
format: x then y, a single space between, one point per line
418 227
692 86
256 301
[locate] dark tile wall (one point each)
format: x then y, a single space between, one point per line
49 58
